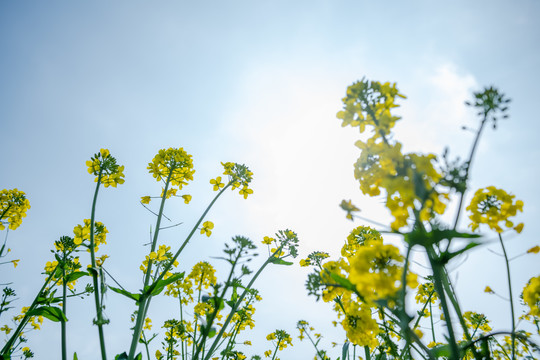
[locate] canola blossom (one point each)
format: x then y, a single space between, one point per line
492 206
13 208
104 167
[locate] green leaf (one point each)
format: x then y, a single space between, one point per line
75 357
342 281
75 275
446 256
441 350
279 261
50 312
345 350
132 296
157 287
122 356
139 356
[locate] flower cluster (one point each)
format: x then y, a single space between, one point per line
239 177
492 206
174 163
281 339
13 207
531 296
410 180
105 168
82 234
363 282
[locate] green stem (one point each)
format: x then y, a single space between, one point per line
146 295
144 300
511 298
6 350
315 346
205 332
236 304
275 351
469 161
64 309
97 299
437 282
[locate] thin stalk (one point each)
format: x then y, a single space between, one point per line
97 300
469 161
145 299
64 309
275 351
315 346
511 298
204 333
238 302
437 282
6 350
403 317
432 325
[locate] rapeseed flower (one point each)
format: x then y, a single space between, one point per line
13 207
531 296
176 163
491 206
105 168
207 228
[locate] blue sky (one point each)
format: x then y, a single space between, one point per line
258 83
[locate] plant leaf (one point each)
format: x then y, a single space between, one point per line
50 312
279 261
125 293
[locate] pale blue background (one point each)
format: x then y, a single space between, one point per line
256 82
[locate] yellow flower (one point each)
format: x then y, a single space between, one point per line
15 262
105 168
245 191
202 274
6 329
349 208
174 162
207 228
13 207
492 206
187 198
268 240
531 295
145 199
217 183
489 290
305 262
534 250
147 324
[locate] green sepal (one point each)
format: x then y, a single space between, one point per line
50 312
278 261
132 296
75 357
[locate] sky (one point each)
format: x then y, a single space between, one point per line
260 83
